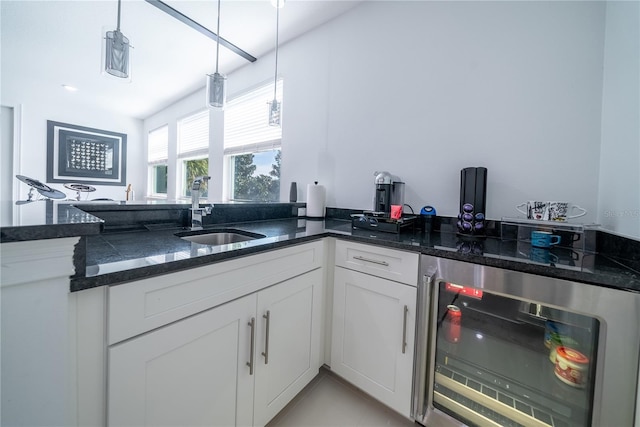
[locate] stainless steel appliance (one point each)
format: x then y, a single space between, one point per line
503 348
387 194
382 201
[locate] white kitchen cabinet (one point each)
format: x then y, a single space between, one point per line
392 264
373 333
147 304
288 354
193 372
46 346
196 371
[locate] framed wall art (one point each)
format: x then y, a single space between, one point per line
85 155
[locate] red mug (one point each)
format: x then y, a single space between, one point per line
396 211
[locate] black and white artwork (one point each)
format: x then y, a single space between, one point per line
85 155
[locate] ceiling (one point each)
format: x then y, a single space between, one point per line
48 43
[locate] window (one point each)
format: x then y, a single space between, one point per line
193 151
252 147
157 161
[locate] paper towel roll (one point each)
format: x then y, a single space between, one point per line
315 200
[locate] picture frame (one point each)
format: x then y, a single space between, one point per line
85 155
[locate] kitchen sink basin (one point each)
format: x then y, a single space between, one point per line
219 237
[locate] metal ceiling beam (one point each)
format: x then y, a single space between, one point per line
200 28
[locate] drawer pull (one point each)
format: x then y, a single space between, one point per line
373 261
265 353
404 330
252 325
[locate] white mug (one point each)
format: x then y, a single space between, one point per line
550 211
559 211
533 209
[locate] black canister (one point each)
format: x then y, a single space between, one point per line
473 193
293 192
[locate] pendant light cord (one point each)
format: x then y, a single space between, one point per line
275 78
118 26
218 38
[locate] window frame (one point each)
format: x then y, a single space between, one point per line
251 147
230 177
193 154
182 179
152 164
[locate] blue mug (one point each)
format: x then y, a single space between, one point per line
544 239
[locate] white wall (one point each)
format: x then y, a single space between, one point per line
424 89
63 108
619 193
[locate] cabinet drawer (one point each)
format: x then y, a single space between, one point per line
141 306
391 264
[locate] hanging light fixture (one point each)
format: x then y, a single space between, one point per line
216 82
116 52
275 107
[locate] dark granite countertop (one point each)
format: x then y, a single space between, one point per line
114 258
121 242
45 219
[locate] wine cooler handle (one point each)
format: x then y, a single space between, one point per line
404 330
265 353
425 338
252 325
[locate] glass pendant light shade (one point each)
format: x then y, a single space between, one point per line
116 60
216 90
116 52
216 82
275 113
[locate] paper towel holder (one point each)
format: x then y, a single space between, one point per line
315 202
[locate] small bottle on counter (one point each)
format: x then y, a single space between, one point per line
130 193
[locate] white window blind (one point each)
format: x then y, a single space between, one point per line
246 120
158 145
193 134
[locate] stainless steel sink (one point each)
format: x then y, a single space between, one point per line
219 237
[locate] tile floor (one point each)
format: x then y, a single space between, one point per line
328 401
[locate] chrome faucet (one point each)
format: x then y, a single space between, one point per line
196 211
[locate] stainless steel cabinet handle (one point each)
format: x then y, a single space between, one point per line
265 353
252 325
404 330
374 261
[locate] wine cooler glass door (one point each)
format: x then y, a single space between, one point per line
497 347
510 362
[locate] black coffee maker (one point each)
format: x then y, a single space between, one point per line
384 187
388 202
388 193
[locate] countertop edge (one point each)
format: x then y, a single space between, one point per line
54 231
126 276
117 278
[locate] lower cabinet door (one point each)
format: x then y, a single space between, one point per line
288 342
373 336
190 373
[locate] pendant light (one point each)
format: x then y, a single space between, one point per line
275 107
216 82
116 52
